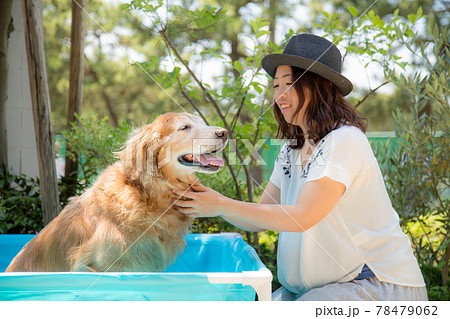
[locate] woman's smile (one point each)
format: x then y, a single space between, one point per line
285 107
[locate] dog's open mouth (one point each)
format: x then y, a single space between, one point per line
207 161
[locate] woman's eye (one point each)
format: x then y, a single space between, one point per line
286 84
184 127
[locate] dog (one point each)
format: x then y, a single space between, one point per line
126 221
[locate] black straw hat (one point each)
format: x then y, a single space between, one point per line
314 54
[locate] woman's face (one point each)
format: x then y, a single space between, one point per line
285 95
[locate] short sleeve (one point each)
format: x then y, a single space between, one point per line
282 166
340 156
275 178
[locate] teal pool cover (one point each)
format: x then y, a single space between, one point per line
211 267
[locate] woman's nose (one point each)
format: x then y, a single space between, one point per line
281 92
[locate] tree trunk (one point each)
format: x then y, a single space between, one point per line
40 99
445 265
6 27
77 36
272 20
234 42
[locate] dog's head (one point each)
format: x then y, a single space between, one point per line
173 146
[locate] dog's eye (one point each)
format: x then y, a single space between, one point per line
184 127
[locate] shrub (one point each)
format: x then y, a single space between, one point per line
94 141
20 205
416 166
433 280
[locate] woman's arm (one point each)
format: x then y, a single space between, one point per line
314 202
271 195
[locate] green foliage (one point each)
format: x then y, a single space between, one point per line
95 141
416 165
234 101
379 107
268 241
20 205
112 86
429 235
432 276
373 37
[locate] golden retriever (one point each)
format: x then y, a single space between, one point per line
125 221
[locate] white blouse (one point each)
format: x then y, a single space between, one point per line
362 228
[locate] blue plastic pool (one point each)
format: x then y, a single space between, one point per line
212 267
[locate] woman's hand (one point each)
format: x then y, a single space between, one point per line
202 202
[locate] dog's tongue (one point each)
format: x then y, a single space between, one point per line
209 159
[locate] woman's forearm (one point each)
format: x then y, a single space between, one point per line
243 225
264 216
315 201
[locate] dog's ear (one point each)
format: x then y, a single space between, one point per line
140 152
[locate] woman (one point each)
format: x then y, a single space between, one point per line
340 238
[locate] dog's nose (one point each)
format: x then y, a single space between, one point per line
222 133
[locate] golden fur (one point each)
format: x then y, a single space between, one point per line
125 221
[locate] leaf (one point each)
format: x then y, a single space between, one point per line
176 70
261 33
419 12
412 18
380 24
154 60
257 87
325 13
436 84
166 84
125 6
262 23
409 33
353 11
436 31
335 16
237 65
443 80
254 26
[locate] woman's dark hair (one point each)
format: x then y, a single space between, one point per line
326 109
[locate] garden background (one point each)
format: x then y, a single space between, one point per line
145 58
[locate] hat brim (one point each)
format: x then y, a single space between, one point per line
272 61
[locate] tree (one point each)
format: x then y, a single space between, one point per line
75 102
112 85
418 172
6 27
40 100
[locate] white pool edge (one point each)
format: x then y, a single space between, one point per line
260 280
